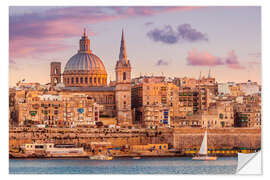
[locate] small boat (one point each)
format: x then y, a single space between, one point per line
101 157
136 158
202 156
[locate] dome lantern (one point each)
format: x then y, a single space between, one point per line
84 43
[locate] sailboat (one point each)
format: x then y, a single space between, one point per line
204 151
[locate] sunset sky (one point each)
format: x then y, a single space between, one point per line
176 41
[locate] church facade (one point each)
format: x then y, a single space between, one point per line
85 73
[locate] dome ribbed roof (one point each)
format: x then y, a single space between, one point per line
85 61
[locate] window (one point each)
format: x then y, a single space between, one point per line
77 80
95 80
124 76
98 80
72 80
221 116
68 80
90 80
86 80
81 80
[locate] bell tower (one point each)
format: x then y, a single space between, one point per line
123 87
55 73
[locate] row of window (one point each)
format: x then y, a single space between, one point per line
85 80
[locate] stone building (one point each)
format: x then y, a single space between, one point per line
55 73
249 88
84 69
188 102
219 115
185 82
236 90
155 93
248 113
123 87
223 89
85 73
156 115
56 109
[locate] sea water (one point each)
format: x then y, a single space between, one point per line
171 165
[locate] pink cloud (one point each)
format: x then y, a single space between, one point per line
32 34
232 61
196 58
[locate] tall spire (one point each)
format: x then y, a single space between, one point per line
123 53
200 75
209 74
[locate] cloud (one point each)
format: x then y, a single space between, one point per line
232 61
188 33
35 32
196 58
162 62
183 33
166 35
148 23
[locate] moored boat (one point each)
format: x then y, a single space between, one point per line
203 154
101 157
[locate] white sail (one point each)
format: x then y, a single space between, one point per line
203 149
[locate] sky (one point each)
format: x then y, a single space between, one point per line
175 41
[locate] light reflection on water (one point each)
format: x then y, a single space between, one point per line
173 165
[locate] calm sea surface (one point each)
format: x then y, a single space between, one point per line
172 165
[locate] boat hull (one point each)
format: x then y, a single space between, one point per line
205 158
101 157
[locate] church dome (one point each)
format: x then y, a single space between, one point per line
85 62
85 68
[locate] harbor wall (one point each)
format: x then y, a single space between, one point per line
179 139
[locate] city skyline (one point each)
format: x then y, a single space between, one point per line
175 48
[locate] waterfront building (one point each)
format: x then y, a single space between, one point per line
56 110
152 93
219 114
156 115
248 113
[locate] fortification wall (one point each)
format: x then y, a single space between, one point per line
179 138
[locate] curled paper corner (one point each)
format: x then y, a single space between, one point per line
249 163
